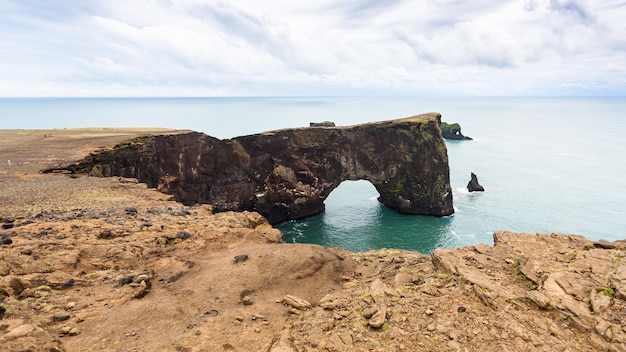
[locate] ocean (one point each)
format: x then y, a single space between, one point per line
547 164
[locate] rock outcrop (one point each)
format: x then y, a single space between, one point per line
543 292
287 174
322 124
473 185
453 131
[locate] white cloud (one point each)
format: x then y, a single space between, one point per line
278 47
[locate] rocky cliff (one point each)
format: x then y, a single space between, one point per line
106 264
287 174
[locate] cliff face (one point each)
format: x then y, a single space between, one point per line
287 174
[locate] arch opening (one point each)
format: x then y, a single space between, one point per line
355 219
352 204
351 212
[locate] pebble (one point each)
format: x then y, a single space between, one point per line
105 234
240 258
68 283
27 292
246 300
183 235
461 309
147 224
126 280
142 278
6 240
60 316
180 212
142 292
367 313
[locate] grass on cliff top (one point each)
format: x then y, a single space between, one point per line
445 125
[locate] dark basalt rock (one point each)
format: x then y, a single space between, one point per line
287 174
473 185
453 131
322 124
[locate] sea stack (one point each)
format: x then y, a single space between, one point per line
453 131
474 186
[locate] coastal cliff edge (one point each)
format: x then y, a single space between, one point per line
109 264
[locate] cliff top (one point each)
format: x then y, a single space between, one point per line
426 117
33 150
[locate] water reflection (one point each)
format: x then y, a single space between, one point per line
355 220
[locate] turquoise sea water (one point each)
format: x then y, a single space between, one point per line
547 164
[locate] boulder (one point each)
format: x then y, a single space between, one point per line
296 302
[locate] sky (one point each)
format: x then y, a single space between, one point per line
312 48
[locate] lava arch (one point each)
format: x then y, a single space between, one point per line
287 174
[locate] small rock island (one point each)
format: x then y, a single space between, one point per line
473 185
287 174
453 131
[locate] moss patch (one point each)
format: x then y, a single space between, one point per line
285 173
445 125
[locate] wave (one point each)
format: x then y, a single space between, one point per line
461 190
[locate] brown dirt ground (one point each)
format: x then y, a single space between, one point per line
109 265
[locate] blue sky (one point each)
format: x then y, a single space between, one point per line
312 47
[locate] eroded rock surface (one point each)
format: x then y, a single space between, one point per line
288 174
526 293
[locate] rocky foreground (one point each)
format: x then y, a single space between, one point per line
92 264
